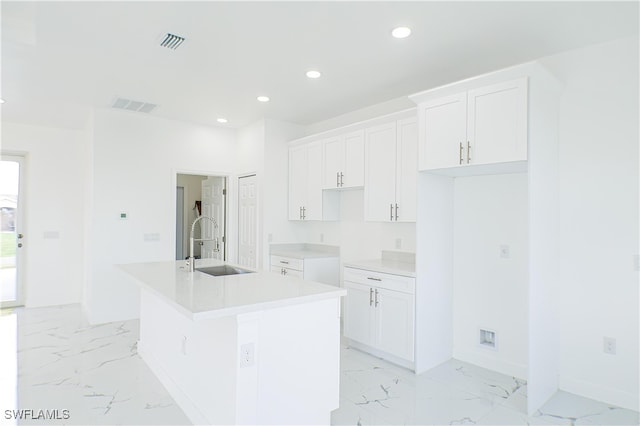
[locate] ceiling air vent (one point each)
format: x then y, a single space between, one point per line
137 106
172 41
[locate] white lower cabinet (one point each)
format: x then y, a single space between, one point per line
322 269
380 312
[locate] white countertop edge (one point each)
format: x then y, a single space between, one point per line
377 265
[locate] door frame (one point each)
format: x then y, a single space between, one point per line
174 197
21 159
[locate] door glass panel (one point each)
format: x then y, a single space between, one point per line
9 188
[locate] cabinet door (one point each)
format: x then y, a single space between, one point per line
333 152
380 172
313 204
443 124
406 170
395 323
353 170
297 180
358 313
497 122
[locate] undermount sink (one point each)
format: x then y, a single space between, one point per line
217 271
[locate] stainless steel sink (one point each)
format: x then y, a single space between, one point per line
217 271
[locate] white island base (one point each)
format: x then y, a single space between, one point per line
273 361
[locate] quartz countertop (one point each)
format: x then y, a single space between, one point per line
202 296
397 263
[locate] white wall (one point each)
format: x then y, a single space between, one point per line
598 193
358 239
490 291
135 162
54 202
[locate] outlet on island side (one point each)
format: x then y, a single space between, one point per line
247 355
398 243
609 345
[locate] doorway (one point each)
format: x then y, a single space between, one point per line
11 234
196 196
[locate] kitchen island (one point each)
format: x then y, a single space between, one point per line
251 348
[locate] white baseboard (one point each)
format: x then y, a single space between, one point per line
381 354
183 401
505 367
601 393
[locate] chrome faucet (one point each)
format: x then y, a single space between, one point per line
191 261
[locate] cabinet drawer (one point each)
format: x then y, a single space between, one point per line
379 279
287 262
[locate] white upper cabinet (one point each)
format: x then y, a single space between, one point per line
391 171
497 123
406 170
305 182
444 122
487 125
344 161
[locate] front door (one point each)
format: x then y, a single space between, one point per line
11 236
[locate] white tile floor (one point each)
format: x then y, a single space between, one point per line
94 372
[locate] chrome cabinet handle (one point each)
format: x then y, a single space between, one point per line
376 303
341 179
300 212
284 261
460 153
370 297
396 212
391 212
337 179
468 152
304 213
374 279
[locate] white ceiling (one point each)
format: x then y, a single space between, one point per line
60 59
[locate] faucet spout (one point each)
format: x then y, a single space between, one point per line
191 261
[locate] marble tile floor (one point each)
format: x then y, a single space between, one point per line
60 362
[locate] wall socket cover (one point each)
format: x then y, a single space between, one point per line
247 355
609 345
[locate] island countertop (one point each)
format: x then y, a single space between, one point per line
201 296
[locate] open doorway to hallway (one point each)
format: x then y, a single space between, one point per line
196 196
11 234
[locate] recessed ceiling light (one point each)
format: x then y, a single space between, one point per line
401 32
313 74
222 120
263 98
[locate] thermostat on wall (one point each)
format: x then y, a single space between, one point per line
123 215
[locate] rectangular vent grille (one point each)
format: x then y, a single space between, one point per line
129 105
172 41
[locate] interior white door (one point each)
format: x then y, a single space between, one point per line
213 205
444 128
247 221
380 172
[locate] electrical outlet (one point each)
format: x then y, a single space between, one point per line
398 243
609 345
504 251
247 355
